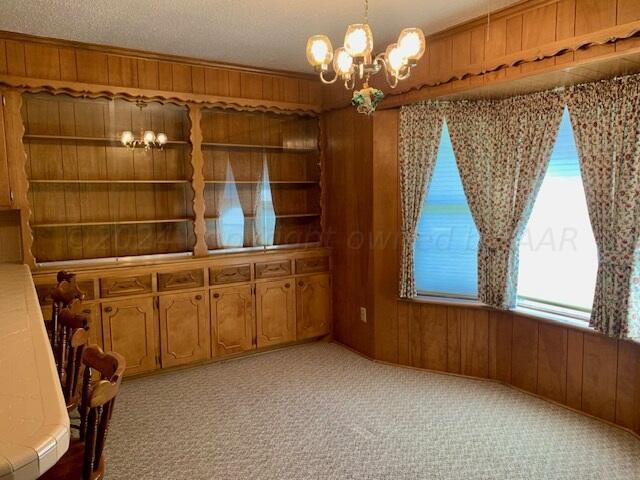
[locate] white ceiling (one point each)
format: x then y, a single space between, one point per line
261 33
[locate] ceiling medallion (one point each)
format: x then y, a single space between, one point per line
148 138
353 61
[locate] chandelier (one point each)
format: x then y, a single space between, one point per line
353 61
147 139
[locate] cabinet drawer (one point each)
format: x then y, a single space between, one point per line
119 286
44 291
311 265
230 274
273 269
180 280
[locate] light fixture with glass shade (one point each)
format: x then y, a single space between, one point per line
354 61
147 139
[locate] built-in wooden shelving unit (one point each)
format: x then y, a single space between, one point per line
91 197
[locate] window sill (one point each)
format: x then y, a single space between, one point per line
553 318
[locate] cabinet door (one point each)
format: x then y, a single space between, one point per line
95 323
184 328
129 328
232 319
5 191
313 303
275 312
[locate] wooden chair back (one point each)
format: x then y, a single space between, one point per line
74 337
62 296
96 406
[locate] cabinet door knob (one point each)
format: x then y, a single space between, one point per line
286 285
198 297
108 309
301 284
216 295
86 311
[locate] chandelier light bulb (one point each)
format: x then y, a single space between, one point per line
126 138
412 43
358 41
342 62
395 59
319 50
149 137
161 139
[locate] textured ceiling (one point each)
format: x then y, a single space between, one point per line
261 33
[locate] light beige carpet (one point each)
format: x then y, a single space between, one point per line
319 411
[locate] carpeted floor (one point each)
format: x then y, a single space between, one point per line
319 411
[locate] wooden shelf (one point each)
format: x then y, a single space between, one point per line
294 215
272 182
123 222
110 181
69 138
246 146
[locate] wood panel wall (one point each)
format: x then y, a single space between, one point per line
528 38
60 65
574 367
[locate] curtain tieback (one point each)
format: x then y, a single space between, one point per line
495 244
617 259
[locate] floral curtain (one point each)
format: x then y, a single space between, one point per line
606 122
420 127
502 149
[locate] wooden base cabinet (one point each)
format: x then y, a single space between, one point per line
232 320
275 312
313 303
129 328
184 328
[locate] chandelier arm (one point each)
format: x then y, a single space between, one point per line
380 59
350 86
328 82
405 75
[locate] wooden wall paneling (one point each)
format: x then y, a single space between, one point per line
148 74
496 46
68 69
5 184
524 354
628 386
197 164
42 61
454 337
197 80
3 56
384 237
122 71
181 78
565 27
552 362
15 58
599 376
575 360
539 28
591 16
474 342
500 340
513 41
92 66
433 320
404 312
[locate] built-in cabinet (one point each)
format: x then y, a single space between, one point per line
275 312
232 319
184 328
129 328
200 309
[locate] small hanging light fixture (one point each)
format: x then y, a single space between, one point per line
148 138
353 60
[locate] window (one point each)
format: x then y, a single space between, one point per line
265 214
231 220
558 253
447 244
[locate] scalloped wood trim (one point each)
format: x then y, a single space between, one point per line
561 47
197 163
90 90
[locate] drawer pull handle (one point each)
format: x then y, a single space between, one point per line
108 309
198 297
216 295
301 284
86 311
286 285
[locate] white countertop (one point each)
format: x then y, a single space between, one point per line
34 425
